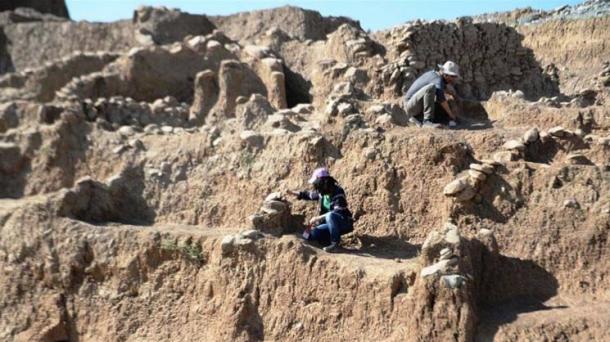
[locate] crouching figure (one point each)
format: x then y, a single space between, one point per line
335 218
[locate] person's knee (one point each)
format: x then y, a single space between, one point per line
430 89
331 217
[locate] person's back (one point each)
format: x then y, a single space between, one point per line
429 77
427 91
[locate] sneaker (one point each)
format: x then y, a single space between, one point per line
333 247
452 124
430 124
414 121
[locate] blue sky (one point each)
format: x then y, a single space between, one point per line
373 15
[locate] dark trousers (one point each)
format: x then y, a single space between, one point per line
331 230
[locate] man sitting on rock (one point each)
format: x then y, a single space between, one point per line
429 89
335 218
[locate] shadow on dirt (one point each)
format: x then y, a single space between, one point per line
509 287
384 247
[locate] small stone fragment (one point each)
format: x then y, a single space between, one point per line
453 281
445 254
485 168
513 145
477 175
558 131
228 244
571 203
531 135
126 131
454 187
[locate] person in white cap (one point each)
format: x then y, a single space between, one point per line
430 88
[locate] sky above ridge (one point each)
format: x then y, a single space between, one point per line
372 14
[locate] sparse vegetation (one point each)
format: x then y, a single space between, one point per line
189 250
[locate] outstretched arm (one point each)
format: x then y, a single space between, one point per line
305 195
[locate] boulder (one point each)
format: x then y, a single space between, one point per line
254 113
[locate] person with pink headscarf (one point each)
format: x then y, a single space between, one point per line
335 218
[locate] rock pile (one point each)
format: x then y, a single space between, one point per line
466 186
274 216
120 111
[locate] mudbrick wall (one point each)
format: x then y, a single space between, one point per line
490 56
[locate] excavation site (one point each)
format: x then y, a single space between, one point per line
155 174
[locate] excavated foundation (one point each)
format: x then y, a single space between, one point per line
144 191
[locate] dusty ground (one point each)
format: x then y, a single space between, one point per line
127 219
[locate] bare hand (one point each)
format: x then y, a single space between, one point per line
293 193
314 221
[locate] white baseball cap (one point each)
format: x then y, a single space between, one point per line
450 68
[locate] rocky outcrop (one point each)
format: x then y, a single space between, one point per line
296 22
55 7
160 25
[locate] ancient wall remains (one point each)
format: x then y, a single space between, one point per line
491 57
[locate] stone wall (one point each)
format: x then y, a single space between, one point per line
491 57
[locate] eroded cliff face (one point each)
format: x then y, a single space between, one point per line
579 53
143 188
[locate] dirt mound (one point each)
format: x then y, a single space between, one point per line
150 183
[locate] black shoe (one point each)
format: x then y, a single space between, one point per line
333 247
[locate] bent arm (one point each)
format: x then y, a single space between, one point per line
447 109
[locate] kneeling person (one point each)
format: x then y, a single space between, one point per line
430 89
335 219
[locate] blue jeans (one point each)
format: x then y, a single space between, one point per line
335 226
